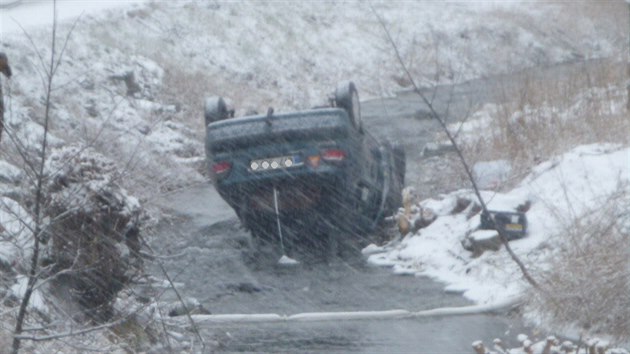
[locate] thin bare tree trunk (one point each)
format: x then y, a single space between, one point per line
33 276
1 112
462 159
628 61
6 70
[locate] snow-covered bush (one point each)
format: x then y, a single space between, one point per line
94 226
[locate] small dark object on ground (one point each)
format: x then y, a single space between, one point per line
512 224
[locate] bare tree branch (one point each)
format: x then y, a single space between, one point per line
33 276
65 45
42 61
451 138
70 333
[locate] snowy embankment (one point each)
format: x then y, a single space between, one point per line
568 187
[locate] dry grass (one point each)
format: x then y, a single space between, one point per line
543 116
188 89
589 279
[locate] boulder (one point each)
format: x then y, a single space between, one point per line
480 241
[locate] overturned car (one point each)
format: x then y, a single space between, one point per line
314 173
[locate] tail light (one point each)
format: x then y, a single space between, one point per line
333 155
221 168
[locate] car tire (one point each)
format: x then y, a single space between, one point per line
347 97
395 178
400 163
215 110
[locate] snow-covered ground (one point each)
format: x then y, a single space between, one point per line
570 186
133 77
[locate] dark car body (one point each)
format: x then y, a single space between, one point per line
314 165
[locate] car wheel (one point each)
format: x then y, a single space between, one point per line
394 199
395 178
347 97
400 163
215 110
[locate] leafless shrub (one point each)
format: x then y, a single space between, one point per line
187 90
138 164
588 281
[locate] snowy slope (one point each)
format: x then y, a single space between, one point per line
571 186
260 54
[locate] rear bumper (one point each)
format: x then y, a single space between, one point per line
291 198
294 194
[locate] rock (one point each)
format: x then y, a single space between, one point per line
482 240
129 78
244 288
87 84
421 114
191 304
144 129
435 149
91 110
10 174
